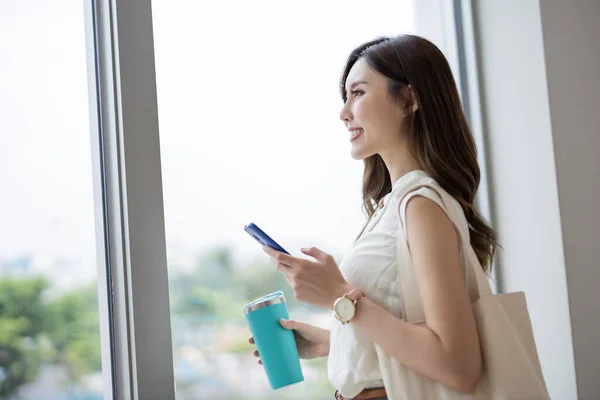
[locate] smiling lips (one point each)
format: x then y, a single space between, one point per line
355 133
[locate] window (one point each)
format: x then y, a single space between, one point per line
49 319
101 294
250 132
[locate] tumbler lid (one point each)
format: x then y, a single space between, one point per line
265 301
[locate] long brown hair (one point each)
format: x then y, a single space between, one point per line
438 134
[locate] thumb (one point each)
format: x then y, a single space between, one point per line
314 252
287 324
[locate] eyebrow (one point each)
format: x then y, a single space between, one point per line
355 84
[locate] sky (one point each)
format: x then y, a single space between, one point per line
248 115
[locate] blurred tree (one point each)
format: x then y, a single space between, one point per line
74 330
260 278
214 269
204 290
22 315
205 295
28 321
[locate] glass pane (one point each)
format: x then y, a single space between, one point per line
248 109
49 329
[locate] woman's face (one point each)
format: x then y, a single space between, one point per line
372 117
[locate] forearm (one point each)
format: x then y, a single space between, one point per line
416 346
326 344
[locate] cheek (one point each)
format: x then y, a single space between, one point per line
371 117
365 114
392 122
388 122
379 119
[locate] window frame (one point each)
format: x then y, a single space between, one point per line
137 359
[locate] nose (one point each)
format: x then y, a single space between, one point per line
345 114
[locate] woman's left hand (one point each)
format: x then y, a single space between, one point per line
318 282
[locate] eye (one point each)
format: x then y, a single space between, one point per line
356 93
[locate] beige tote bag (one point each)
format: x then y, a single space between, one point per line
511 367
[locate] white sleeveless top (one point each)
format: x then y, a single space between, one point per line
355 362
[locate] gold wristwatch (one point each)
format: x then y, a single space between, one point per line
344 307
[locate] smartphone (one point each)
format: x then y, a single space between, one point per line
263 238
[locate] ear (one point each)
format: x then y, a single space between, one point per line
414 106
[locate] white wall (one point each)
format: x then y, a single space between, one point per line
538 67
572 53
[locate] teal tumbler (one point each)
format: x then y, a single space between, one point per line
276 345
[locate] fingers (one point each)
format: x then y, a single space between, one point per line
255 353
281 258
288 324
281 266
316 253
292 325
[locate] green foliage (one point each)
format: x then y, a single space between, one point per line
37 328
217 289
63 330
22 319
73 328
23 298
205 292
261 278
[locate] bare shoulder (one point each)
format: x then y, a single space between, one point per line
434 246
425 217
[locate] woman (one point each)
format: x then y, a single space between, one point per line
403 112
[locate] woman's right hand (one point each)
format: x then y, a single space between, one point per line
311 341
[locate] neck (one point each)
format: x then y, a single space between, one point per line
399 162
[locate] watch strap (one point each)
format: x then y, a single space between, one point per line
355 295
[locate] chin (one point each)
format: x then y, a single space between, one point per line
360 154
356 156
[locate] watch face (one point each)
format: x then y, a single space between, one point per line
345 309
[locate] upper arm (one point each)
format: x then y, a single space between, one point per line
435 251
